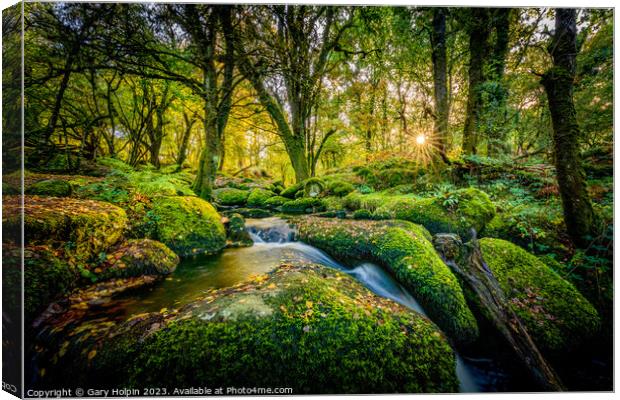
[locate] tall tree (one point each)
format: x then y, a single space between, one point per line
479 30
440 79
285 54
558 82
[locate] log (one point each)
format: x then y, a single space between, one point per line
467 261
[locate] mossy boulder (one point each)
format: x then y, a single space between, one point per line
405 249
251 212
188 225
259 197
275 201
230 196
339 188
237 235
292 190
455 212
81 229
310 328
46 277
362 214
137 257
50 187
556 315
303 205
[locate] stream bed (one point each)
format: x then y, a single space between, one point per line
274 243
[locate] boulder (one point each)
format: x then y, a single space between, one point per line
81 229
238 236
307 327
137 257
405 249
230 196
556 315
259 197
188 225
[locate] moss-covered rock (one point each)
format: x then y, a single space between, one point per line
405 249
238 236
80 228
292 190
230 196
251 212
362 214
188 225
339 188
137 257
259 197
50 187
302 205
554 312
46 277
276 201
310 328
454 212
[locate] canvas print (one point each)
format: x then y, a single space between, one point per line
285 199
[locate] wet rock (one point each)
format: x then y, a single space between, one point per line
236 232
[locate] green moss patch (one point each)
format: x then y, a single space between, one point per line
554 312
80 228
50 187
137 257
302 205
308 327
259 197
188 225
405 249
230 196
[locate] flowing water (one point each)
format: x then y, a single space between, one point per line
274 243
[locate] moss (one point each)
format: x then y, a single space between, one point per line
8 189
339 188
310 328
373 201
80 228
362 214
50 187
137 257
405 249
333 203
236 232
556 315
290 191
188 225
275 201
302 205
454 212
230 196
253 212
259 197
115 164
313 187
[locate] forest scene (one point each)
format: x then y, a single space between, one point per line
329 199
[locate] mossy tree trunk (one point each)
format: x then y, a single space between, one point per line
440 78
558 82
478 27
498 114
209 26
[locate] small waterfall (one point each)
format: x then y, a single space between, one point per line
278 234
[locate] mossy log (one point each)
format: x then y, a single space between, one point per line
467 261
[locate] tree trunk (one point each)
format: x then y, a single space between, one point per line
497 134
189 124
440 77
558 82
478 54
209 161
468 263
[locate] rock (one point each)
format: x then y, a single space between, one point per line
362 214
455 212
339 188
292 190
313 187
188 225
302 205
259 197
251 212
405 249
308 327
50 187
137 257
275 201
81 229
556 315
238 236
230 196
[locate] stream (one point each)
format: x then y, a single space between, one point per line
274 243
